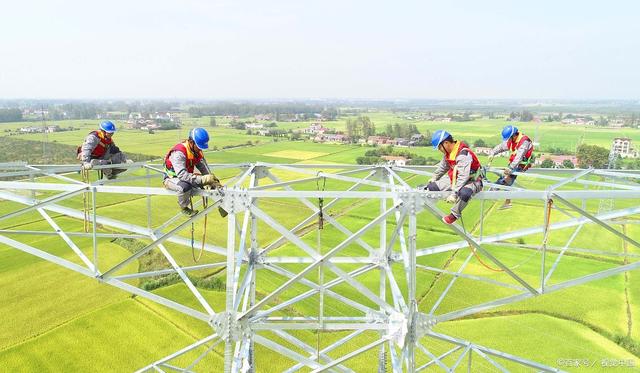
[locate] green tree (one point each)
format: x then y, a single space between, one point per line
10 115
360 127
526 116
568 164
592 156
389 130
479 143
397 131
547 163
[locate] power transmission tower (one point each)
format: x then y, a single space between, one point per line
254 329
45 137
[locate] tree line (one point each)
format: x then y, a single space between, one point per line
374 156
307 111
10 115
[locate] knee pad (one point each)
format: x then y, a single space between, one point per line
433 187
185 186
465 194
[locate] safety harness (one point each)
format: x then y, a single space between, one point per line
514 145
193 158
102 146
451 160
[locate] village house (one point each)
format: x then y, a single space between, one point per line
442 119
262 117
31 129
396 160
331 137
622 146
482 150
616 123
401 141
557 160
378 140
415 139
315 128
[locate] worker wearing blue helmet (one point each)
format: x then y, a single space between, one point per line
98 149
180 164
521 158
462 167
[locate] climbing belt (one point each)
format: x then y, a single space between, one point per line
544 241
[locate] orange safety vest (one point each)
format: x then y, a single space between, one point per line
451 159
515 145
192 159
102 146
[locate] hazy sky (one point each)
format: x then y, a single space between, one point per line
320 49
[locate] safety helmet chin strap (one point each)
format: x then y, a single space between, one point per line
192 144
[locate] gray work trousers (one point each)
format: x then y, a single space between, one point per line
109 158
464 195
184 189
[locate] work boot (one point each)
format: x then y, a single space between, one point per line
449 219
189 212
505 206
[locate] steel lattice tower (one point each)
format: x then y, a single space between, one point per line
381 257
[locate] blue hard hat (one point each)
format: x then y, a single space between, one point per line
108 126
508 131
438 137
200 137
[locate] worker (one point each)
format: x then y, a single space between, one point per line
98 149
180 164
521 158
462 167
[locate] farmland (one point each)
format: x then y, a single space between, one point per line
57 320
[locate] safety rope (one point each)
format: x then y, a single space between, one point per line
193 228
205 203
85 203
548 222
320 186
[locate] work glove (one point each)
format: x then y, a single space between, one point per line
216 183
211 180
432 180
452 198
491 158
507 172
86 166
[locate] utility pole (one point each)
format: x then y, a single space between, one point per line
45 136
